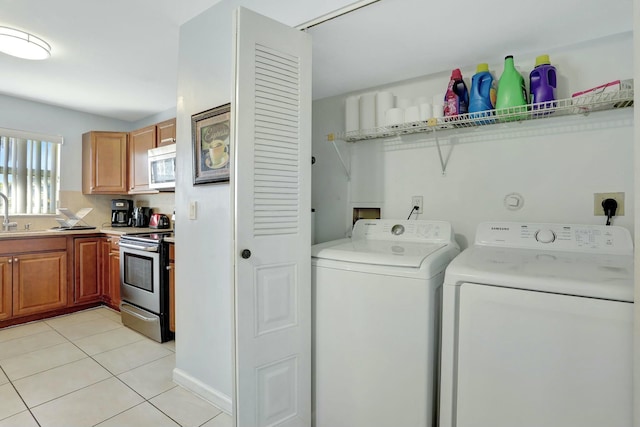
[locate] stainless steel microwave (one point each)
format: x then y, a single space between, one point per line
162 167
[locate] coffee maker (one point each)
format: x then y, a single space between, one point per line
121 212
141 217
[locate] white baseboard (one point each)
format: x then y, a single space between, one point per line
212 395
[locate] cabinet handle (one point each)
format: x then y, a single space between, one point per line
15 260
10 261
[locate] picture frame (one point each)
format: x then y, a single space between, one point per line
210 132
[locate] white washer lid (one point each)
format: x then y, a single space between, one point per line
377 252
594 275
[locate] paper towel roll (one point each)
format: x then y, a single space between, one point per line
412 114
426 111
438 105
384 102
352 114
367 111
405 103
394 116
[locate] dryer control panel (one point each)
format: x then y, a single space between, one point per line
562 237
403 230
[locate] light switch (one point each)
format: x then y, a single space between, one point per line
193 209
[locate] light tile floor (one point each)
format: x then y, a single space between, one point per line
86 369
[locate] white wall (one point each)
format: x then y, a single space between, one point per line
21 114
556 164
636 330
203 278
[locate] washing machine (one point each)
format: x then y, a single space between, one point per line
537 328
376 323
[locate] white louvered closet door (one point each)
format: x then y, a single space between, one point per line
271 185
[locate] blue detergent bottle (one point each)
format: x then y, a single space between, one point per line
482 98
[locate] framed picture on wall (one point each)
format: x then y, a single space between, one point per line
210 134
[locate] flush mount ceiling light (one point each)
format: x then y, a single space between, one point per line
23 45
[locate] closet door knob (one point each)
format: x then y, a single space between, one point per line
246 254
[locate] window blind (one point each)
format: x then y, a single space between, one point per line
29 166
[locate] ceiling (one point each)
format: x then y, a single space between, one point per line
118 58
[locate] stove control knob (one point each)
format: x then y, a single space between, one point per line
545 236
246 254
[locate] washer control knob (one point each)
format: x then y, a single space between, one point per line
397 229
545 236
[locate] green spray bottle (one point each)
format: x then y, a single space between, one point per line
512 93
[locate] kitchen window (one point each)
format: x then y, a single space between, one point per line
29 166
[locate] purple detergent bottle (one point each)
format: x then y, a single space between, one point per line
543 83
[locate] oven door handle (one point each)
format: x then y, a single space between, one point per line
132 311
138 247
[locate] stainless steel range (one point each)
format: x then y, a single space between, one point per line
144 285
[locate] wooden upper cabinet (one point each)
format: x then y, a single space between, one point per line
140 141
117 162
166 132
104 163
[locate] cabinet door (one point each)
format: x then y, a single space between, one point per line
172 288
166 132
140 141
104 163
5 287
105 268
39 282
87 269
114 278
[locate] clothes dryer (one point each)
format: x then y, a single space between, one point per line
537 328
376 323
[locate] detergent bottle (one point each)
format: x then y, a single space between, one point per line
512 93
543 82
483 92
456 99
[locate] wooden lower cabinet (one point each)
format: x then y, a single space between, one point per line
172 288
6 290
111 272
87 268
33 276
39 282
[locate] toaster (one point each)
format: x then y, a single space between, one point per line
159 221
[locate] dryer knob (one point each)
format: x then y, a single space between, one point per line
545 236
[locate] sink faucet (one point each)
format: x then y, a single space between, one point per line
6 225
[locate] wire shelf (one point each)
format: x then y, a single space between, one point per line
562 107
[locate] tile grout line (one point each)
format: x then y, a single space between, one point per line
20 396
132 389
171 352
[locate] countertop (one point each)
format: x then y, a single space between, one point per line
120 231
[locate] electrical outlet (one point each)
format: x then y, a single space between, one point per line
599 197
417 201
